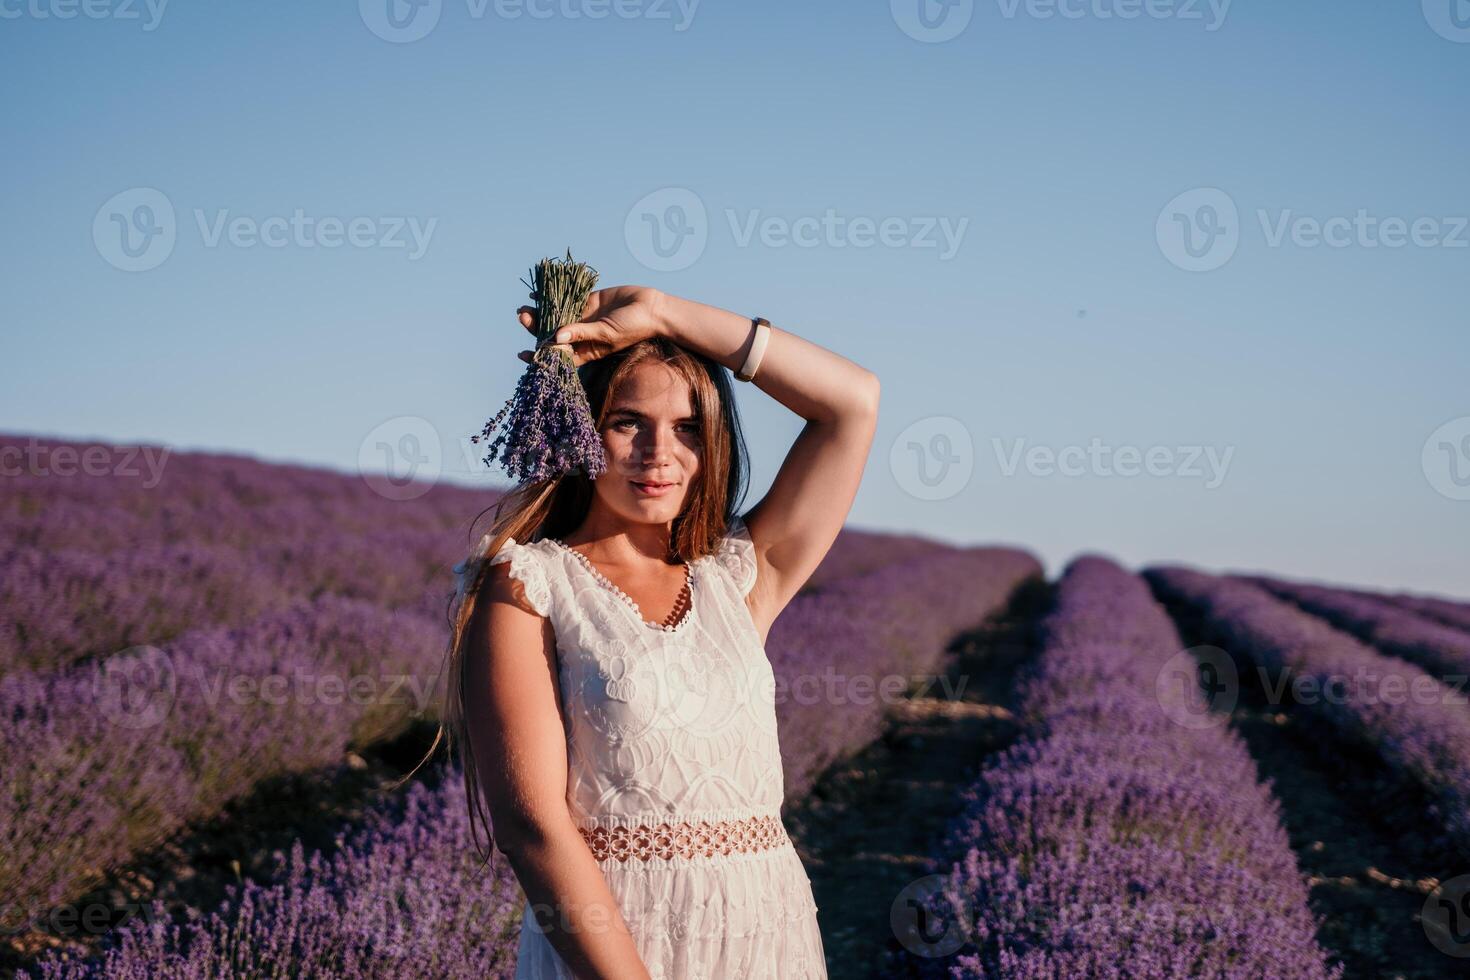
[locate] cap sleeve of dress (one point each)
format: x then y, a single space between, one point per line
525 567
736 555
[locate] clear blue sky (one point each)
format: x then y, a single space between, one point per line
1060 311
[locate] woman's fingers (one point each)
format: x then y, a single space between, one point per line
586 340
581 332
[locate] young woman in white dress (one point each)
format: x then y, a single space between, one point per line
610 693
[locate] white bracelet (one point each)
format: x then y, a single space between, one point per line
757 349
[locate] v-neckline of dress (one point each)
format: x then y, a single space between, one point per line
611 586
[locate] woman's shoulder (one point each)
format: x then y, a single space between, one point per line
527 563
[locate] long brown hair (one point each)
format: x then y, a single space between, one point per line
556 507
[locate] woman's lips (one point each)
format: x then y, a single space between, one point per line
651 489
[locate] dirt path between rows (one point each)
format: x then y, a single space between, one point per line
1352 837
871 824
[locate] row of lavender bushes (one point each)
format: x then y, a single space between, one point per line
1350 693
228 501
840 654
1447 611
1127 834
1440 649
404 896
62 606
884 622
92 564
108 757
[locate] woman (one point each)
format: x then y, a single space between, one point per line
610 691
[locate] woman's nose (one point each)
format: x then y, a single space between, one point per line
660 442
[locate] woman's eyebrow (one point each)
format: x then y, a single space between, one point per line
639 415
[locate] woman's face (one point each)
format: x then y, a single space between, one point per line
654 452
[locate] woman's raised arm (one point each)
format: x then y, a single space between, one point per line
794 524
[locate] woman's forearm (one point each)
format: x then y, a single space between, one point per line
574 905
812 381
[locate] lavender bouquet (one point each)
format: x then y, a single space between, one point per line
550 430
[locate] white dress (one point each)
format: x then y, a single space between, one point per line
674 770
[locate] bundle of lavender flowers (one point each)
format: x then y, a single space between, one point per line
550 431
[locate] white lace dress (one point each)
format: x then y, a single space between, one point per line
674 771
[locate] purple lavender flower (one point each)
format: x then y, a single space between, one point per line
550 430
1111 841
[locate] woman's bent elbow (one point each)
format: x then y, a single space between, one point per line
514 836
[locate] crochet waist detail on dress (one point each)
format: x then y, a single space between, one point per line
666 836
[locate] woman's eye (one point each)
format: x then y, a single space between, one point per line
683 426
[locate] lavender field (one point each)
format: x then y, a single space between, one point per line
213 674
